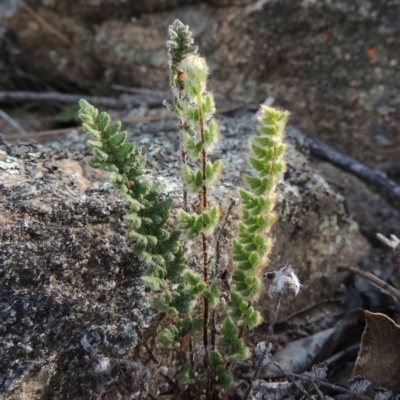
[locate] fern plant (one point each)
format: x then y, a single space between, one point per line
189 295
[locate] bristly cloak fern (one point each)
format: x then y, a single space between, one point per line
147 215
176 287
252 247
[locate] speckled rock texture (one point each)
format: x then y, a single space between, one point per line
66 269
334 64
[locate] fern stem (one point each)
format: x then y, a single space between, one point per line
203 236
183 152
263 357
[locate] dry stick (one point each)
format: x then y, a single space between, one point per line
51 132
135 90
373 279
267 342
13 123
394 243
104 101
317 389
218 244
153 357
331 386
120 103
16 136
291 380
342 353
217 256
49 27
372 176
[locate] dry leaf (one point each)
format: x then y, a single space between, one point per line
379 356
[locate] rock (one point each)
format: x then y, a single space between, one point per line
66 268
332 64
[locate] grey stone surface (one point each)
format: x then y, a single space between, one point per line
65 265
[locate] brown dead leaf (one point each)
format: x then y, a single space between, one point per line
379 357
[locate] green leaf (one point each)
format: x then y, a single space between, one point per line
260 166
280 150
95 144
213 170
105 166
100 154
211 134
126 149
224 380
189 326
252 318
187 175
192 278
118 139
161 302
183 299
154 282
92 131
102 121
250 287
133 203
229 333
168 337
237 351
208 105
278 168
210 219
212 294
198 180
133 219
191 113
191 146
261 152
265 141
239 275
187 376
138 237
112 130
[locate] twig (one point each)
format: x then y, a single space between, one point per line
371 176
52 132
102 393
213 329
373 279
49 27
267 342
342 353
290 378
151 396
394 243
120 103
320 394
218 242
147 92
153 357
217 257
331 386
13 123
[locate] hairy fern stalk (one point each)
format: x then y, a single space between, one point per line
187 295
